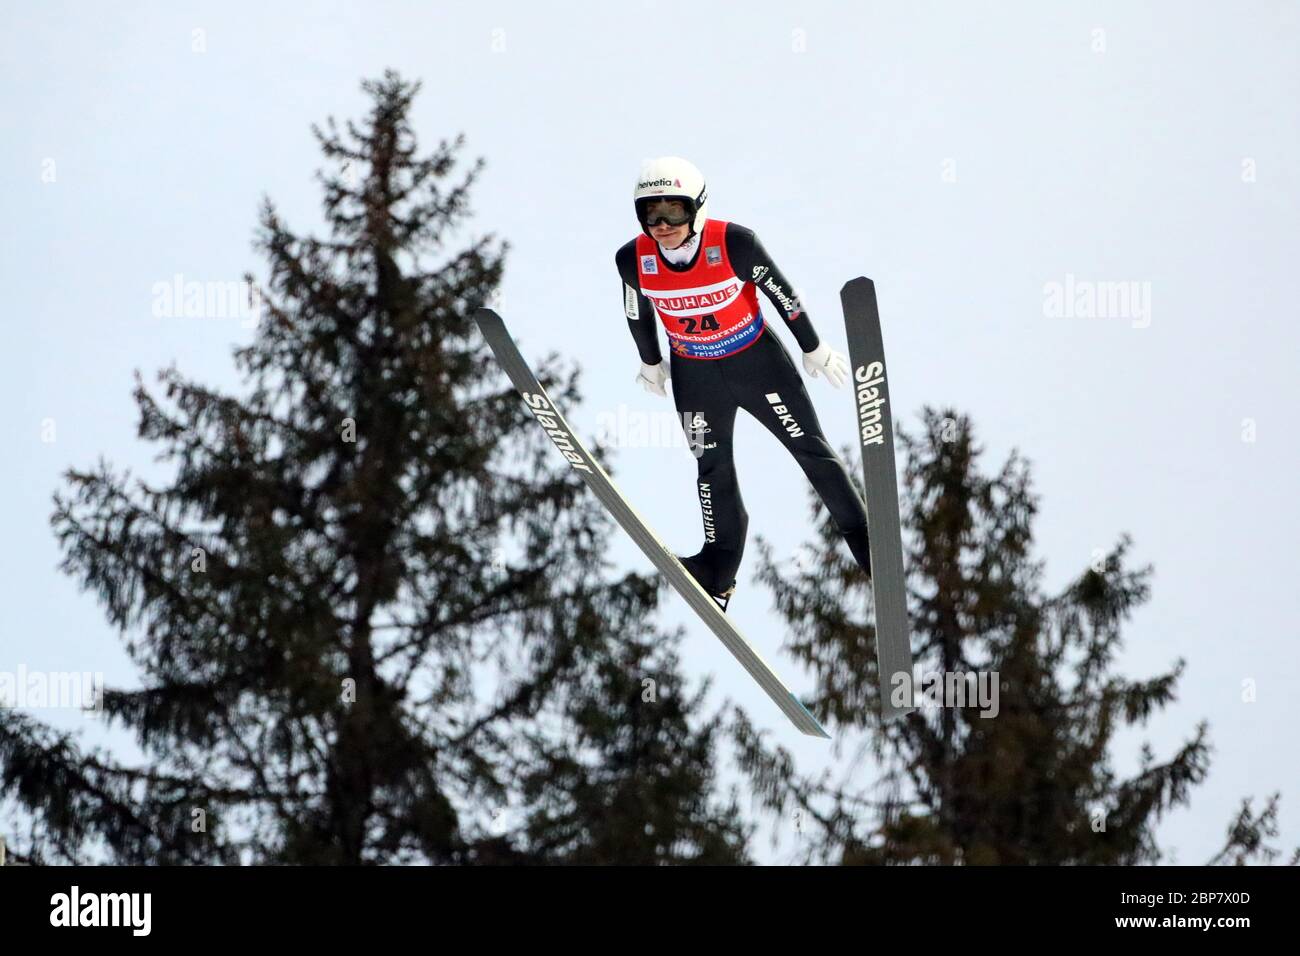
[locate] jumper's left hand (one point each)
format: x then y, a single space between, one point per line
824 359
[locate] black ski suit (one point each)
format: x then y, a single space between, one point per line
760 378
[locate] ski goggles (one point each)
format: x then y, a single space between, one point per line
654 213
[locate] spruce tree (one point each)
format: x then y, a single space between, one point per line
369 606
1033 784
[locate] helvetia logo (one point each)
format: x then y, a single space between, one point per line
656 183
868 378
555 430
787 302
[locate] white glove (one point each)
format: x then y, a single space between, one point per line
652 378
825 359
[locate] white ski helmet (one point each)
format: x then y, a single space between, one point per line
671 177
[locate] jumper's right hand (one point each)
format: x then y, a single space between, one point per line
652 378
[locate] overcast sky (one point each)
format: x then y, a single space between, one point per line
969 157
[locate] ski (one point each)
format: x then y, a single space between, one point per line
876 434
558 430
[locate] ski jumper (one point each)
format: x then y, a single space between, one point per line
724 358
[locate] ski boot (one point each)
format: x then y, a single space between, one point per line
706 574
